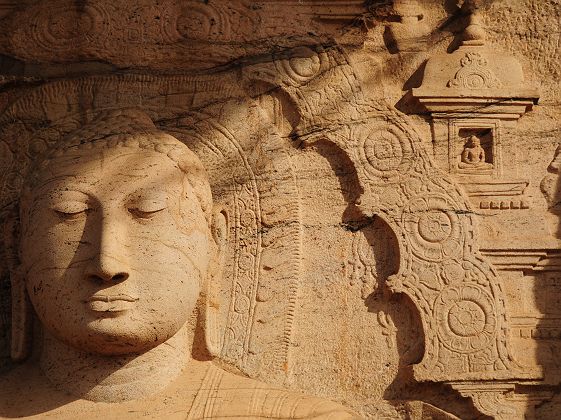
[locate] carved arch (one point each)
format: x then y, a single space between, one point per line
457 293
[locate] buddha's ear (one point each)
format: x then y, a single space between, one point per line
213 332
22 317
219 230
22 312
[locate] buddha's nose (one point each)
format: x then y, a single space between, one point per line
110 263
106 274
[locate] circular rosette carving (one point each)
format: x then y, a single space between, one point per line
466 318
475 74
385 151
203 21
475 78
206 21
65 27
435 229
158 23
302 65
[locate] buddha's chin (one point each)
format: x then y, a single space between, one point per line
117 336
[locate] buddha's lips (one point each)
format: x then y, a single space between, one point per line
112 298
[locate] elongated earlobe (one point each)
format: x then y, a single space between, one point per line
213 332
213 337
22 318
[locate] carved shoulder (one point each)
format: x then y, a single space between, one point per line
226 395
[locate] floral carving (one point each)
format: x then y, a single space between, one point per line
385 152
466 318
474 73
435 230
52 31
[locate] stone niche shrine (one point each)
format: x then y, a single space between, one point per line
280 209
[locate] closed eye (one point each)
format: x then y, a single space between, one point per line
145 213
70 209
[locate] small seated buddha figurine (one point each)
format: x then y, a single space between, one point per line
119 244
473 155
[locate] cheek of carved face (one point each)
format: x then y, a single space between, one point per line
116 249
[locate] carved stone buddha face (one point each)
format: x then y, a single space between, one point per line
119 240
116 246
474 142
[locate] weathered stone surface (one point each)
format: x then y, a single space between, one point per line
280 209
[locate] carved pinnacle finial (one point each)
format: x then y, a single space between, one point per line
474 33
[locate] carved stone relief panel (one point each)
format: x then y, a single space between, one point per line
254 331
363 262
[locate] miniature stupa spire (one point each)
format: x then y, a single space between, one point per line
474 33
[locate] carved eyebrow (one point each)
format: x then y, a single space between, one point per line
69 194
76 183
53 196
146 196
148 205
150 192
47 184
56 199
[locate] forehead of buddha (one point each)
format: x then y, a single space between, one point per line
131 131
